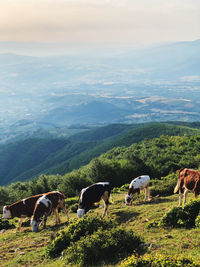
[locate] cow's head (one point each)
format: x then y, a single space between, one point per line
80 213
128 200
34 225
6 213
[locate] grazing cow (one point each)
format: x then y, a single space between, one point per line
21 209
92 194
45 205
141 182
189 180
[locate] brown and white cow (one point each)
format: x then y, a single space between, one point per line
45 205
189 180
93 194
137 184
21 209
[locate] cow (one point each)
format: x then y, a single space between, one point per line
45 205
21 209
141 182
189 180
92 194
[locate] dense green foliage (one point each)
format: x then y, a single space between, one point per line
91 240
103 247
158 261
182 216
164 186
159 157
74 231
6 225
26 159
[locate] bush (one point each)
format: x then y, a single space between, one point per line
197 221
75 230
116 190
6 225
73 208
165 186
102 247
182 216
71 201
158 261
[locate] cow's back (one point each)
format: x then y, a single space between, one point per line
24 207
55 197
93 193
190 178
140 182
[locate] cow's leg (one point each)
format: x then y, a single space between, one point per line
45 221
185 195
55 211
105 198
145 193
19 224
148 193
180 197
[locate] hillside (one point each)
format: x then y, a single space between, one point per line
28 248
29 158
160 157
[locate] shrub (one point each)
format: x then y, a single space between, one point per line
73 208
165 186
197 221
71 201
153 224
158 261
116 190
103 247
6 224
182 216
75 230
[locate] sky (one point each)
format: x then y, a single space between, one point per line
99 21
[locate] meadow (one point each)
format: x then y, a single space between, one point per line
28 249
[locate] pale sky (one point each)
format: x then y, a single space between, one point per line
99 21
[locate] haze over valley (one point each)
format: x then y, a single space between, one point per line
154 83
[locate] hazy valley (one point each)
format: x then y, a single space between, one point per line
42 94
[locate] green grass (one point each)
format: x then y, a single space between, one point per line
27 248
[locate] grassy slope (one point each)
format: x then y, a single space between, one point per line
27 248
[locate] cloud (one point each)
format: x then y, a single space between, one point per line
99 20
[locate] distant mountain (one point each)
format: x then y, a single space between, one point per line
26 159
167 61
157 83
94 112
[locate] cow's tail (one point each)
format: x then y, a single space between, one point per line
177 187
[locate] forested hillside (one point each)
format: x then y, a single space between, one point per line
159 157
29 158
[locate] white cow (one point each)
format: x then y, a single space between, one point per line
141 182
